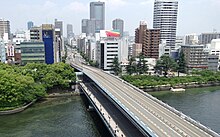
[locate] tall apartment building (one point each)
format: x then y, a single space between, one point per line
97 12
5 28
150 40
30 24
118 24
59 25
165 19
196 56
140 32
206 38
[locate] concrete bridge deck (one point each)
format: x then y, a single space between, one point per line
151 115
117 123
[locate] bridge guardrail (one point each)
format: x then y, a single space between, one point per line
146 128
96 107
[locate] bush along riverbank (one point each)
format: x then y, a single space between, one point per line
21 85
154 83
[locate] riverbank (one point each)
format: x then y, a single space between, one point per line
17 110
51 95
185 86
56 95
155 83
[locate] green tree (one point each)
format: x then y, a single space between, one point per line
131 68
21 85
165 64
181 63
116 66
142 66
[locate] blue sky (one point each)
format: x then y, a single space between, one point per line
195 16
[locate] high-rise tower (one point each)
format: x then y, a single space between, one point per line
59 25
97 12
5 28
30 24
118 24
69 29
165 19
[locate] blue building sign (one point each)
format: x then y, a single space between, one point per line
48 46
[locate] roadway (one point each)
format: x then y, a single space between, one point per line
159 120
123 123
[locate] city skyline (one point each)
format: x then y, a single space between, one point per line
194 16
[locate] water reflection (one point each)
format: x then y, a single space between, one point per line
66 117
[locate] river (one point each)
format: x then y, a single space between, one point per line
63 117
202 104
68 117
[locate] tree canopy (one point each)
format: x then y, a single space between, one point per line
144 81
165 64
116 66
23 84
181 63
138 68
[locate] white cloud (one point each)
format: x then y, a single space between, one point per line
115 4
49 5
146 2
78 7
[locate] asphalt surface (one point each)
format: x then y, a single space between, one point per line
125 125
156 118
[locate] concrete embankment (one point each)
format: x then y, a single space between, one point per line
17 110
56 95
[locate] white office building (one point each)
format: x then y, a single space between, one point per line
109 47
108 50
191 39
2 51
179 42
165 19
164 49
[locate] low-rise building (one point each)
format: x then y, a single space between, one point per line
196 56
136 49
164 49
206 38
213 62
32 51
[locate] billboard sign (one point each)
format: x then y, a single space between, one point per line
48 46
109 33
